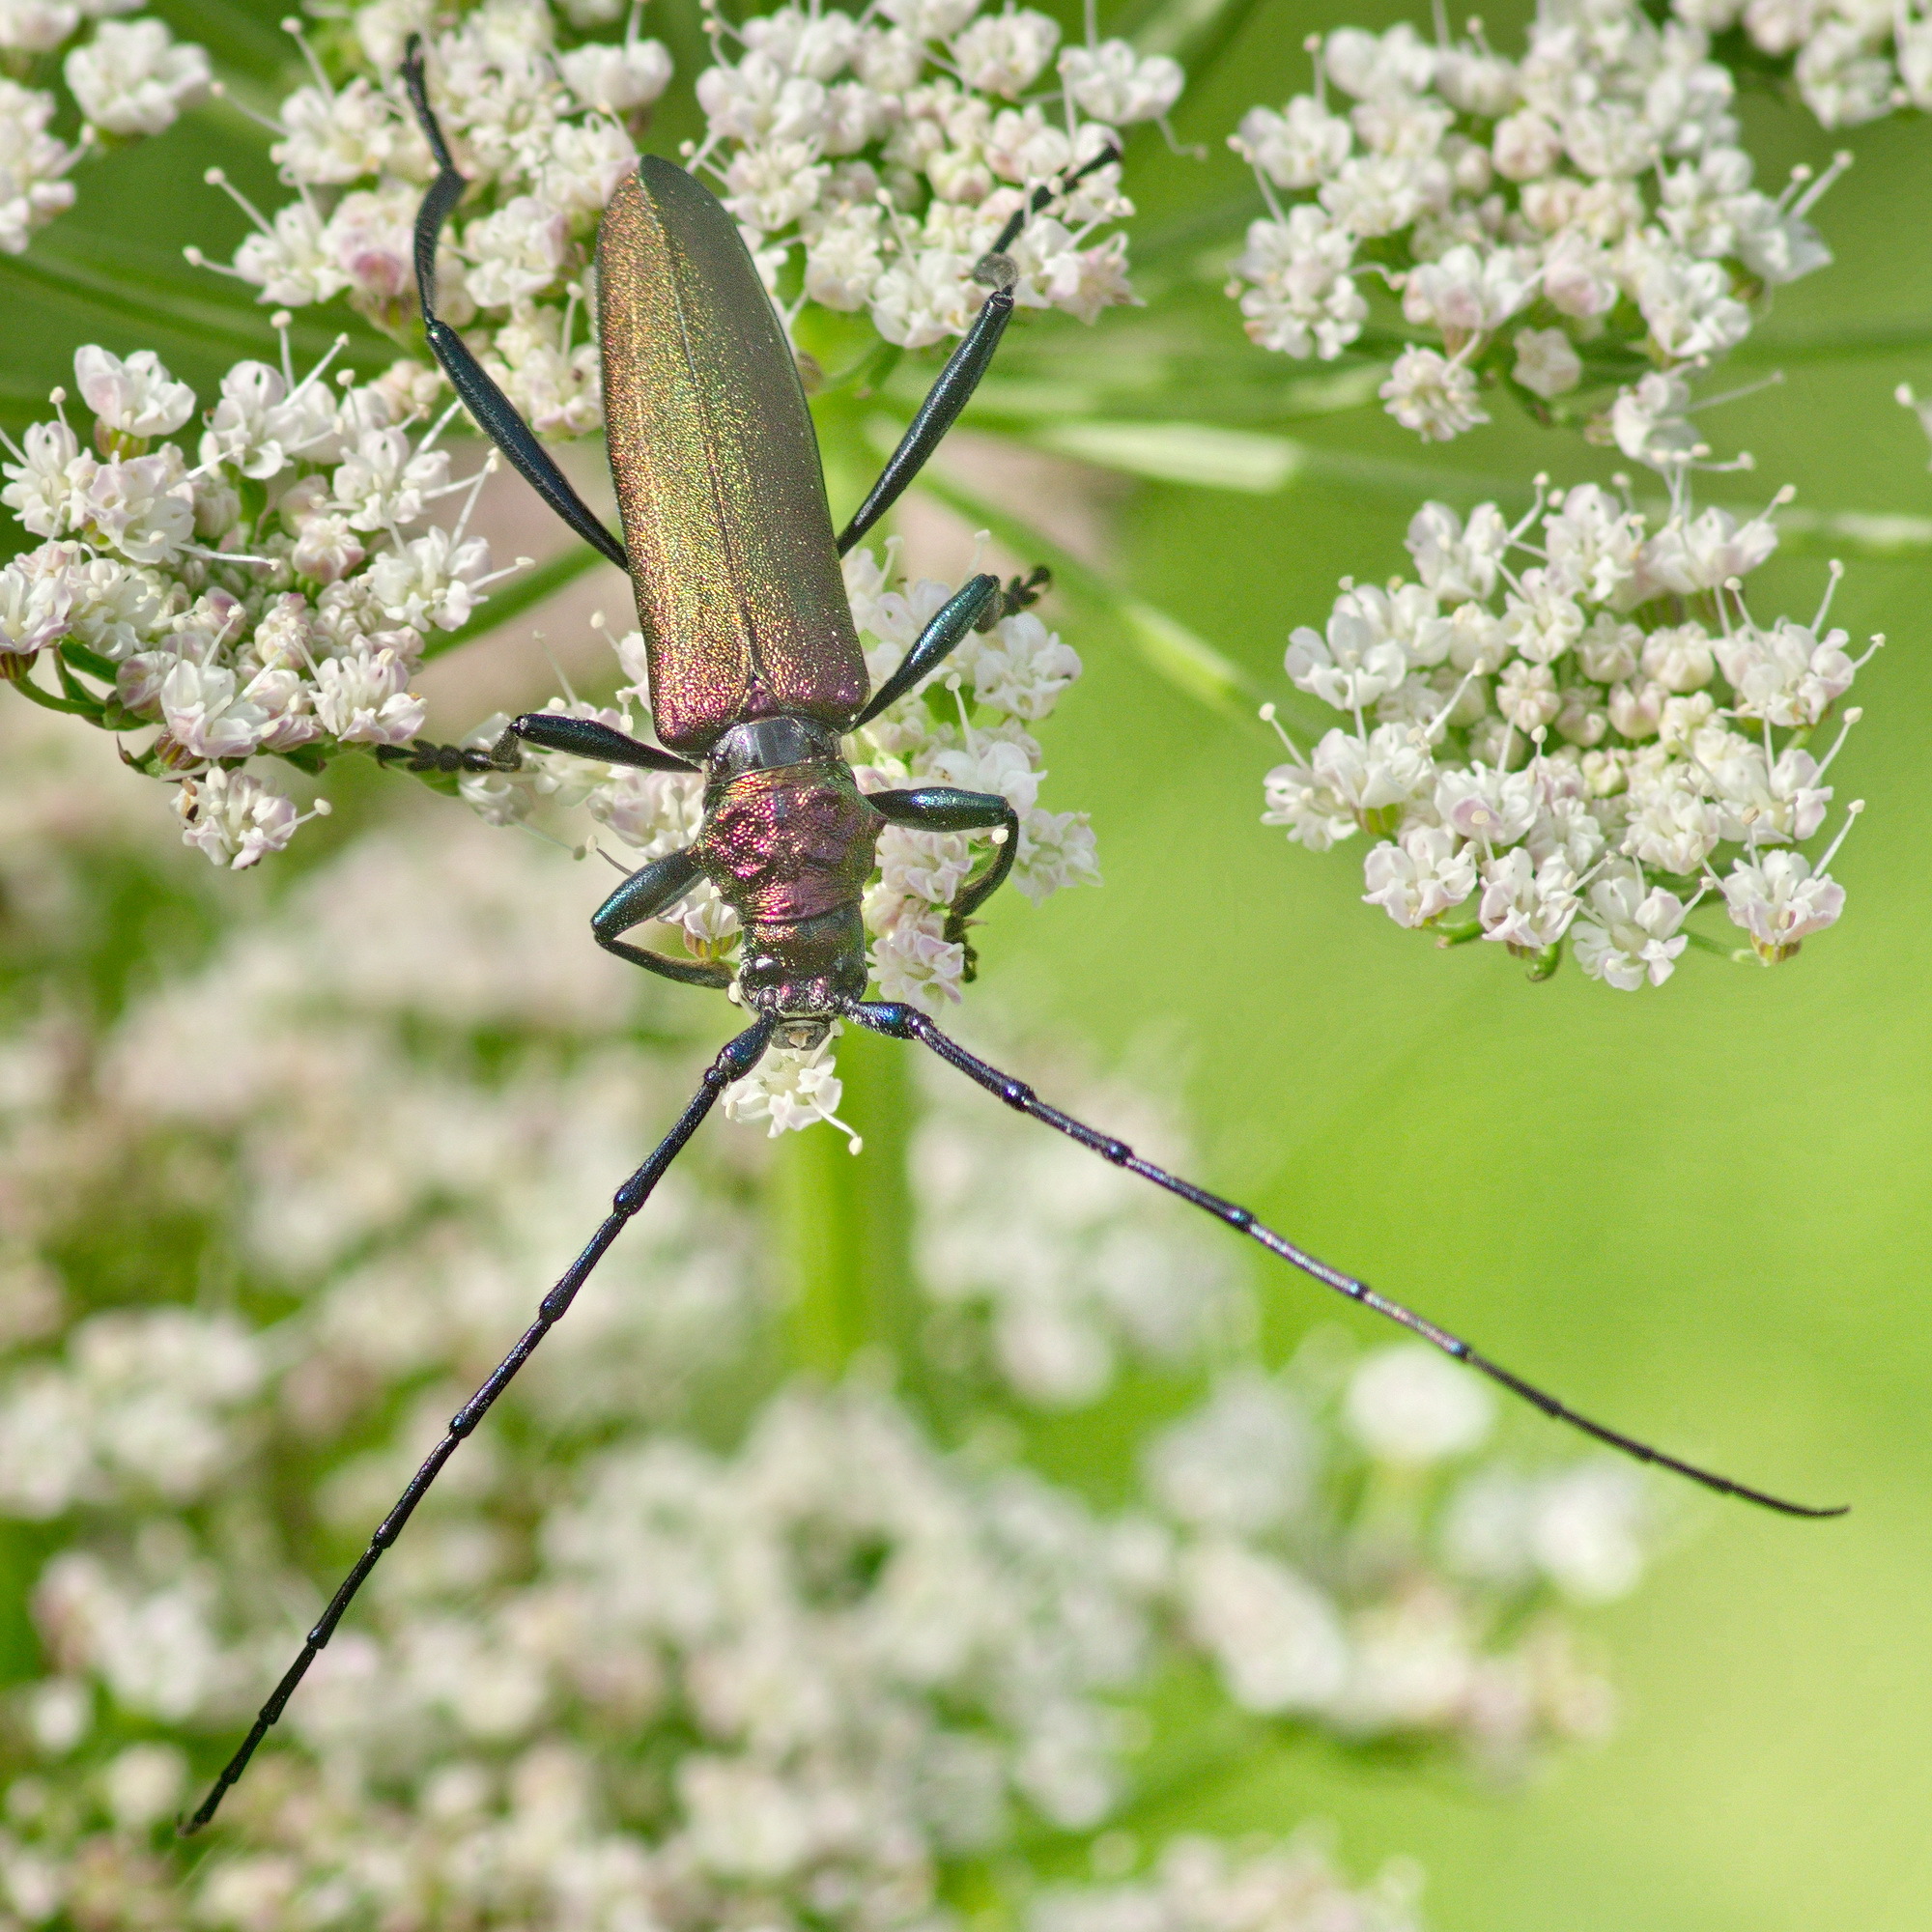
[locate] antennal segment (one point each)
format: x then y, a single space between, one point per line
904 1022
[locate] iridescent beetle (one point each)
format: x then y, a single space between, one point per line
755 676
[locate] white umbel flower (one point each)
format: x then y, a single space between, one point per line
1431 395
134 78
236 818
1573 773
789 1091
1598 181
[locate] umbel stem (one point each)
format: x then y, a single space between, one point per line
845 1221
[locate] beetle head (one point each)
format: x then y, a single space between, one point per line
803 970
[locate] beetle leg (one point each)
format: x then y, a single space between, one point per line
423 756
587 738
944 808
496 415
940 411
649 891
964 367
977 599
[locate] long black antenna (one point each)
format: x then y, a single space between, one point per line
737 1059
904 1022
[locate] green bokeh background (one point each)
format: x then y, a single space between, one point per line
1698 1213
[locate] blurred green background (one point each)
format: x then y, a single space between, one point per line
1697 1212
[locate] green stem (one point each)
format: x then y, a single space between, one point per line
1704 942
846 1219
29 689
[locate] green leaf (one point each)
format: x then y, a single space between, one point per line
1181 657
1181 452
1857 533
1227 459
1848 343
1185 659
1196 32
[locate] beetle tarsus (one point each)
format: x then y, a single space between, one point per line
423 756
1019 594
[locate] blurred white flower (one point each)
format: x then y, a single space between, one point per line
1244 1462
1291 1887
1278 1640
134 78
1406 1403
1434 396
1851 63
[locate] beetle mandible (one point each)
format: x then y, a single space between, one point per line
755 676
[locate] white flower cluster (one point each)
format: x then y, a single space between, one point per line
1199 1886
267 593
129 78
1552 740
137 1406
872 160
1385 1614
1852 60
1559 222
964 726
800 1672
544 132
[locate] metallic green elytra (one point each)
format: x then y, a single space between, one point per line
740 596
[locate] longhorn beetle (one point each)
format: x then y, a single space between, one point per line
756 675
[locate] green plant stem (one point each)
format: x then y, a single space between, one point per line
846 1221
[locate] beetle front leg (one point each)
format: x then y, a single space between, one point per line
944 809
649 893
977 604
944 400
997 270
495 414
963 613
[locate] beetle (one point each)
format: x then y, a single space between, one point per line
755 676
